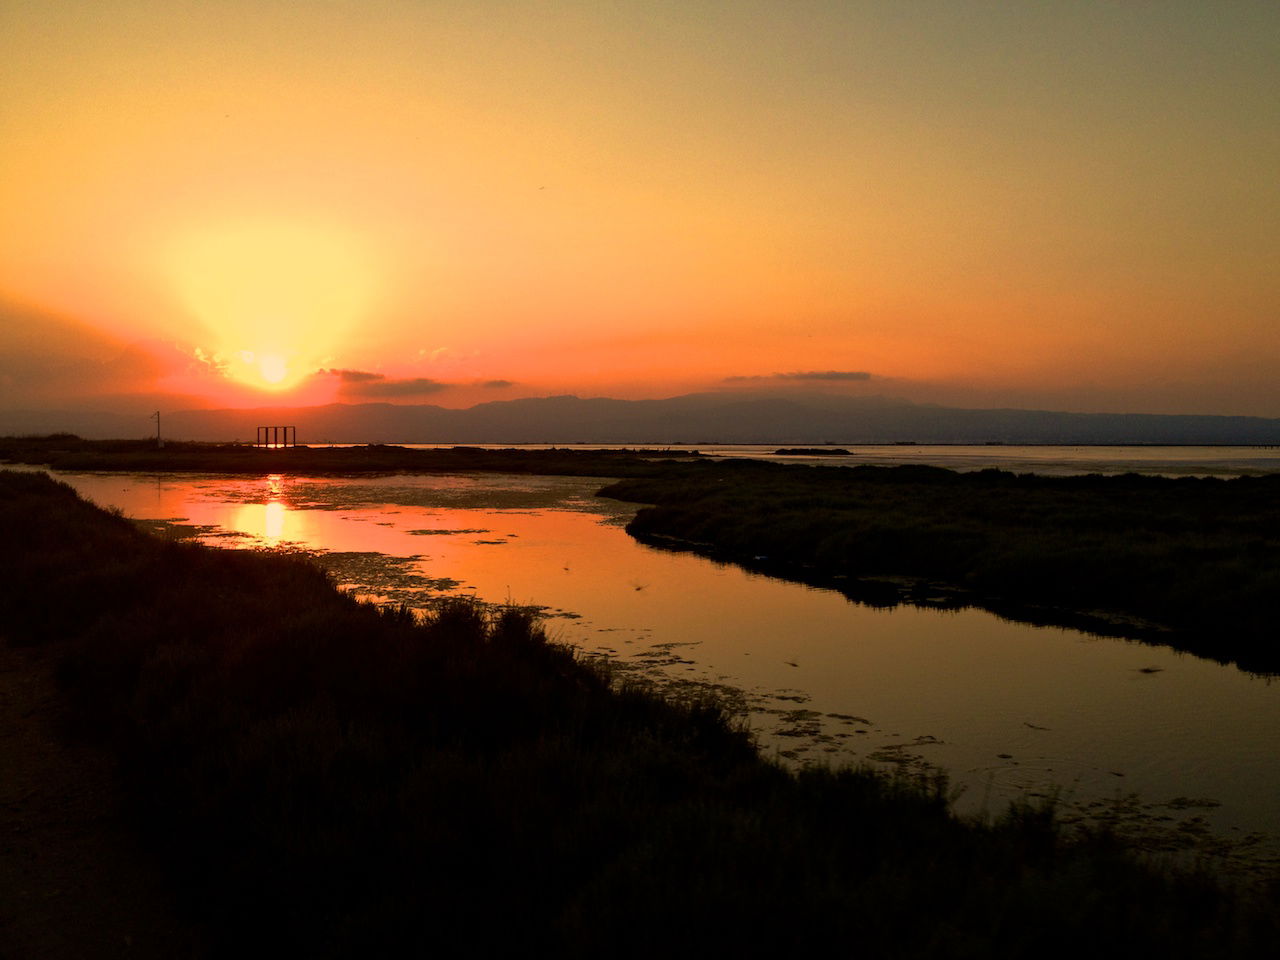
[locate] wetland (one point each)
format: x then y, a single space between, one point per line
1178 750
331 777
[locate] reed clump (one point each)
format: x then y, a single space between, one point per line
323 778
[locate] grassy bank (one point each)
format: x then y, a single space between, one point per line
68 452
1190 562
323 779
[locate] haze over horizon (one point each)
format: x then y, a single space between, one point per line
1059 206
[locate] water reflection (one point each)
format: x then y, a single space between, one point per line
273 520
1004 707
269 522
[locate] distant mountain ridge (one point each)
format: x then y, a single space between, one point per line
692 418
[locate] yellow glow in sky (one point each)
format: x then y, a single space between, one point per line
1059 203
273 299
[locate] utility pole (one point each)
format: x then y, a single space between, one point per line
156 417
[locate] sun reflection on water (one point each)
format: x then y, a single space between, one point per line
270 521
1005 707
273 521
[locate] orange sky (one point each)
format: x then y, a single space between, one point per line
1062 204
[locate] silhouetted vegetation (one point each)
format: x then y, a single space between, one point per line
1190 562
812 452
326 779
68 452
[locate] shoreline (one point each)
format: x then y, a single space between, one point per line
890 591
1193 563
310 771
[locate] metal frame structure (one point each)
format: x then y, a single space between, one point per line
276 437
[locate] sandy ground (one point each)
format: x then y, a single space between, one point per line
73 880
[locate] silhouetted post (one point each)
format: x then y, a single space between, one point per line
156 417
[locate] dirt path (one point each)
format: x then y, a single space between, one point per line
73 881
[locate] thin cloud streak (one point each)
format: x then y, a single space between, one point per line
825 376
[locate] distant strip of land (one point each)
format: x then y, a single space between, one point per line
317 777
812 452
66 452
1189 562
800 418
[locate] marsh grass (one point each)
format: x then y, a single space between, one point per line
1190 562
1194 563
323 778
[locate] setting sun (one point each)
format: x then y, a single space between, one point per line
984 209
271 367
880 397
274 298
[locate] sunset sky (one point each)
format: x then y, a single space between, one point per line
1069 205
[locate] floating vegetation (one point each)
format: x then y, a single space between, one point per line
447 532
800 723
1188 803
849 718
1154 828
396 579
179 530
